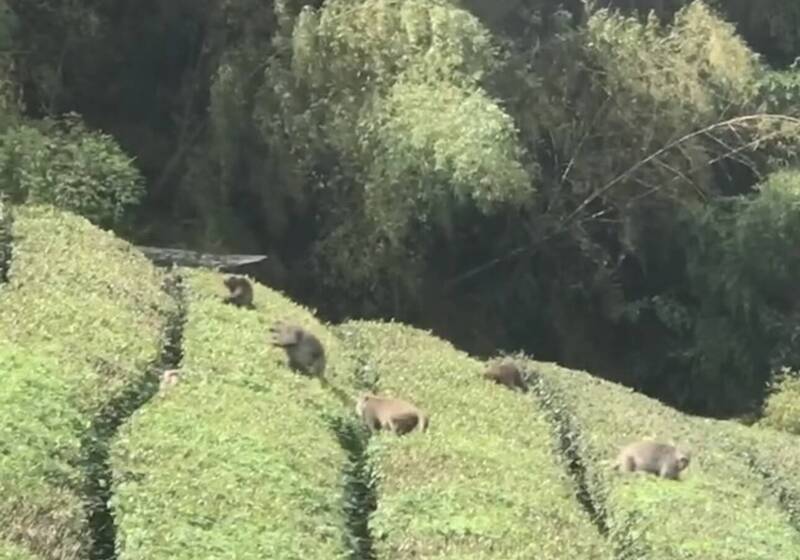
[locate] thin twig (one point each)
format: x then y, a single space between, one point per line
560 227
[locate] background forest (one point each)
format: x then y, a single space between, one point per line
610 185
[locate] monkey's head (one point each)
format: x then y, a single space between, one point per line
284 335
682 458
233 282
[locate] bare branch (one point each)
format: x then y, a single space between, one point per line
638 165
561 226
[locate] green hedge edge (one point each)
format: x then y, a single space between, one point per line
76 332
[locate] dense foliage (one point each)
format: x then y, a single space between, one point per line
64 164
6 222
573 179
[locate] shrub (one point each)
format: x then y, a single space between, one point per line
77 330
40 437
718 510
65 164
485 480
237 459
10 551
782 407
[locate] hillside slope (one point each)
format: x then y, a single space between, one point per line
244 458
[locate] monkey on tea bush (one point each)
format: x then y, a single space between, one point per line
662 459
241 291
507 374
304 350
396 415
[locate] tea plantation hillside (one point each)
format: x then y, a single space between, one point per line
245 459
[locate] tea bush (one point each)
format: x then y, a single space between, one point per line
237 460
782 406
10 551
81 321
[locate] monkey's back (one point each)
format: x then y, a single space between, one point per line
308 354
507 374
648 456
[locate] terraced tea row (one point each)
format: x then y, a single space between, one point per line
238 459
77 331
720 510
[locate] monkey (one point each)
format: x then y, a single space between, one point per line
662 459
396 415
304 350
169 377
508 374
241 292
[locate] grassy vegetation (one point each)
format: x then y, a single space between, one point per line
770 453
721 510
81 321
237 460
9 551
485 481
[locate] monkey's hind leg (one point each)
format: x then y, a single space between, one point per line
670 472
627 465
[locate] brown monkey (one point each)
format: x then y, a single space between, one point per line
662 459
304 350
381 413
508 374
241 291
169 377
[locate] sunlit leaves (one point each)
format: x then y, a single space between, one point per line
698 65
65 164
395 90
440 144
782 407
349 47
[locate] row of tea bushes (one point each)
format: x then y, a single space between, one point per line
82 318
721 509
770 454
237 460
485 481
